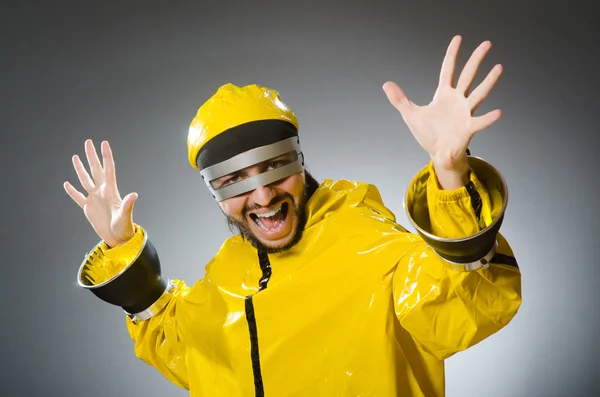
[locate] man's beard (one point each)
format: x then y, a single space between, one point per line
298 210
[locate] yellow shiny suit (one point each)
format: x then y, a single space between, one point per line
360 307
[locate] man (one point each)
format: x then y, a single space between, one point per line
322 293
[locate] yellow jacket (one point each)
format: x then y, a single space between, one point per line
359 307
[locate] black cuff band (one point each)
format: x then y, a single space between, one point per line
467 250
139 286
470 251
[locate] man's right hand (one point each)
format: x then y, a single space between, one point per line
110 216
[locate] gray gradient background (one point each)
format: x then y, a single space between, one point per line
134 73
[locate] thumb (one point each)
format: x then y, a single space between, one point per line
128 203
397 97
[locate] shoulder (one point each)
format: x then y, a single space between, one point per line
236 246
347 186
342 195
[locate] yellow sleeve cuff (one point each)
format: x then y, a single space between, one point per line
128 250
104 263
459 212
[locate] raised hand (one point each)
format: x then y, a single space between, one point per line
445 127
110 216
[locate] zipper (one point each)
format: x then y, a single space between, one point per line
265 266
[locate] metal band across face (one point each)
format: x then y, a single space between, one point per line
257 181
251 158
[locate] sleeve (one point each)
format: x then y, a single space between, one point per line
129 276
158 342
445 309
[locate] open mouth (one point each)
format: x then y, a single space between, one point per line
272 222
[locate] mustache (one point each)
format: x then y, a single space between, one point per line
278 198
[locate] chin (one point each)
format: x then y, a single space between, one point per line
272 246
279 242
282 244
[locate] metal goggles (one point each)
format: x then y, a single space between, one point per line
250 158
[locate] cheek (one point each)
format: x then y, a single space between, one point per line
232 207
295 186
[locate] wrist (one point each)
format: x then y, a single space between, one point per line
453 176
117 241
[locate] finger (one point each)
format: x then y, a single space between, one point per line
128 203
82 174
449 64
482 90
109 165
482 122
94 162
398 98
75 194
468 74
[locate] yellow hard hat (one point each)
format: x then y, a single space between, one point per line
234 108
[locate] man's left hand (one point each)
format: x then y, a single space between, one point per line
445 127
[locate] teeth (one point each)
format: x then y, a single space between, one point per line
263 227
268 214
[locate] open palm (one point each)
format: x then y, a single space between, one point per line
445 127
110 216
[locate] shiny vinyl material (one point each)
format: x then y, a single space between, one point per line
360 307
230 107
468 253
134 284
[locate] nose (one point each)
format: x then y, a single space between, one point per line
263 195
